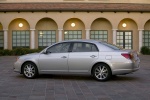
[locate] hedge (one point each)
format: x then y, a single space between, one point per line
145 50
18 51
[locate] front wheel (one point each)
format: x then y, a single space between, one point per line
101 72
30 70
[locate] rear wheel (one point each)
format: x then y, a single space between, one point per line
101 72
30 70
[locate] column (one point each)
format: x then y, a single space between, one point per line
60 35
32 38
87 33
140 38
114 35
5 38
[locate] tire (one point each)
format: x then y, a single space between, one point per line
101 72
30 70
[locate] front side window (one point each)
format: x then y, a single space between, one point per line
21 39
59 48
99 35
146 38
84 47
70 35
1 39
46 38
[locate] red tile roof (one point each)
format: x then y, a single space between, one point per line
119 7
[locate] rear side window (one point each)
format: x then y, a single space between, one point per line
114 47
84 47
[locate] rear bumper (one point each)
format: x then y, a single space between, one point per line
125 68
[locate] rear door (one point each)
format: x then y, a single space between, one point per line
82 57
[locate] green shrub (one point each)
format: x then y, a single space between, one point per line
18 51
145 50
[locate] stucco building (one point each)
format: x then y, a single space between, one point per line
39 23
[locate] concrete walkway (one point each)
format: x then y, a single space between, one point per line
14 86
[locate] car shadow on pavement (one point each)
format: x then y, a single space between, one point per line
81 77
124 78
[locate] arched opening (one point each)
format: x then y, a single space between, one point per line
101 29
74 29
127 35
46 32
19 34
146 34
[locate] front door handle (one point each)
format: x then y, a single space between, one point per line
63 57
93 56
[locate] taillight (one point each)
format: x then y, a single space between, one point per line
126 55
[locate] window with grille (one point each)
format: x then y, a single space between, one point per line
46 38
1 39
70 35
146 38
21 39
99 35
124 39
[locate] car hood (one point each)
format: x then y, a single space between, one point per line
29 56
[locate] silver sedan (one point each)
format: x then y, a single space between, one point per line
97 58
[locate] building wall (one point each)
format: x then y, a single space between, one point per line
84 21
87 1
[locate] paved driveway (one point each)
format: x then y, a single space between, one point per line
14 86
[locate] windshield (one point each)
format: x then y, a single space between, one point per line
112 46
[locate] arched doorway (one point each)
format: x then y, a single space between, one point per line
127 34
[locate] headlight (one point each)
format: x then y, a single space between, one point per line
17 58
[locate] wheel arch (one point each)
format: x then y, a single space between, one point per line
100 63
28 62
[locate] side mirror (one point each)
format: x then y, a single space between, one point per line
46 52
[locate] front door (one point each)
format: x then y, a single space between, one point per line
124 39
56 58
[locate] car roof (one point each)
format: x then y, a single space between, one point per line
83 40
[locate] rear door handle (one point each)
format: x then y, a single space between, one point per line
93 56
63 57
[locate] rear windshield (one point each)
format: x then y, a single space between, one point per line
112 46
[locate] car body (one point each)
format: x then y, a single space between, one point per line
97 58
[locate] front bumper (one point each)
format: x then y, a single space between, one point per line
17 66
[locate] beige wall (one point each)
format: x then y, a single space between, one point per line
88 1
147 25
61 20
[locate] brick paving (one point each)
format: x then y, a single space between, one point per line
14 86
